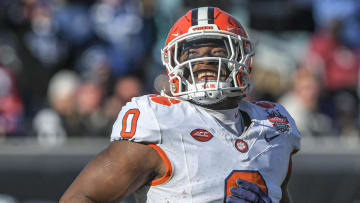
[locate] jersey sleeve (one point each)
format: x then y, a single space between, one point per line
294 132
137 122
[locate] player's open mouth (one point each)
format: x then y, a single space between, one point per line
207 75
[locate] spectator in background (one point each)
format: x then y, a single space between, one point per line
329 58
336 64
54 123
346 114
120 25
42 39
11 107
334 54
88 100
125 88
94 65
74 23
346 11
302 101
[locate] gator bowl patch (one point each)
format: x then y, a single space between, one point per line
279 122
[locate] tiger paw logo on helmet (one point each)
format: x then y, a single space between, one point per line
207 56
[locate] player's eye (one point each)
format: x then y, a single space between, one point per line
192 52
219 52
188 54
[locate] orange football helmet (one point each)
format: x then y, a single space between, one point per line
211 24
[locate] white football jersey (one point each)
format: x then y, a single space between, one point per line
203 158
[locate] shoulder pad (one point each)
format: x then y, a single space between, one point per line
275 116
137 122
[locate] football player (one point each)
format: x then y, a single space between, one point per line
203 143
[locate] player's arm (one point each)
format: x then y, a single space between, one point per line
285 193
286 197
119 170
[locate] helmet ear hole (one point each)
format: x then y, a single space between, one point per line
165 56
175 85
241 79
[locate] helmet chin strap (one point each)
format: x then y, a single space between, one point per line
206 101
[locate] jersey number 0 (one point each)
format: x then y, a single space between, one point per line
129 123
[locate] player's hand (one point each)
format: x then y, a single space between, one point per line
247 192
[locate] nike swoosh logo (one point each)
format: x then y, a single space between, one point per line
268 139
176 34
230 28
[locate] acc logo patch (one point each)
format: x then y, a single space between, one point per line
241 146
201 135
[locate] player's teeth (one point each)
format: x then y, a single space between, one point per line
211 74
201 75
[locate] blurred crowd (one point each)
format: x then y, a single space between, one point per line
68 66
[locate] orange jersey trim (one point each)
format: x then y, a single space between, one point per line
169 169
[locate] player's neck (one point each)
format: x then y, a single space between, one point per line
228 103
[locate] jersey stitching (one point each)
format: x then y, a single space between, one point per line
215 120
221 133
264 151
155 118
186 165
258 114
